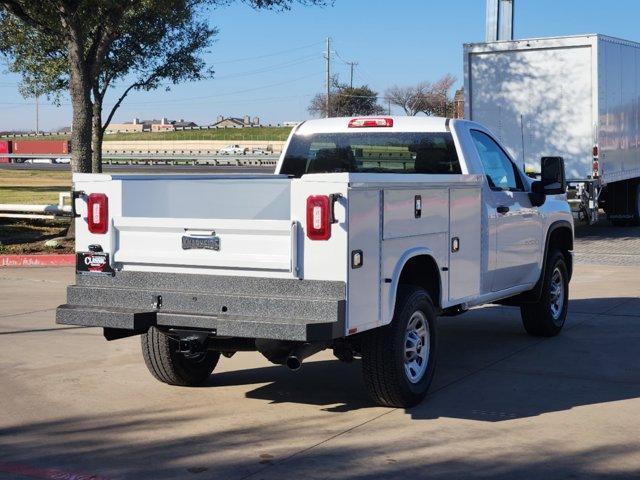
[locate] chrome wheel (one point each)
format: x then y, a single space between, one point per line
557 294
416 347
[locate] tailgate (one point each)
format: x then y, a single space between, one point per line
216 224
245 244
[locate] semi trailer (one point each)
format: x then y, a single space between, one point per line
577 97
24 148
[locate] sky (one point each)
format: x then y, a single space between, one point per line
269 64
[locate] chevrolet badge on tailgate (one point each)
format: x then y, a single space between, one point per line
201 242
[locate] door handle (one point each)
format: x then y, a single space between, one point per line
502 209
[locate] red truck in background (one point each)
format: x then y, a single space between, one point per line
54 148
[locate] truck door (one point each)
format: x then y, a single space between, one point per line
514 222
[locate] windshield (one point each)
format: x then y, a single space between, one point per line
384 152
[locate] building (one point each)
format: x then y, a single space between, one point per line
458 104
236 122
128 127
163 125
182 123
137 125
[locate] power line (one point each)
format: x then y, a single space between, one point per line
240 102
237 92
271 68
178 100
258 57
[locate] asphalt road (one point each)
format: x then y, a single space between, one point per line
144 168
503 404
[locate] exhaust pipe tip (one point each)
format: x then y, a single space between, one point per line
293 363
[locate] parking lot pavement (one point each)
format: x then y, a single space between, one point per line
503 405
607 245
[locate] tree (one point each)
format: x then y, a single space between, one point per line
437 101
86 46
407 98
346 101
425 97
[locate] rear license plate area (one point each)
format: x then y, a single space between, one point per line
93 263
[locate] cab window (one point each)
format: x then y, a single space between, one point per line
384 152
501 173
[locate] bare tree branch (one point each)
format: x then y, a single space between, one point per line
115 107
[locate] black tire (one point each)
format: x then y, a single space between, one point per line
167 364
383 352
546 317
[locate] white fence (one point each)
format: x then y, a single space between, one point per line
11 210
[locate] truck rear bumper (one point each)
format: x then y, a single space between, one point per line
280 309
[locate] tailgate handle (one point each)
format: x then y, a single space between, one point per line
75 194
333 198
502 209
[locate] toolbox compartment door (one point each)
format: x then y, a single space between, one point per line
364 260
465 242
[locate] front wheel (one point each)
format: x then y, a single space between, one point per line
169 365
399 359
546 317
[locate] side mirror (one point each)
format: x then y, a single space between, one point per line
537 196
553 177
552 180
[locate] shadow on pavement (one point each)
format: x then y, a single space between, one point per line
491 369
142 445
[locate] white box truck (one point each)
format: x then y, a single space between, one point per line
370 228
577 97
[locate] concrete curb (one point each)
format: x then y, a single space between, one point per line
37 260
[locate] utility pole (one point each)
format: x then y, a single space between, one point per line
352 64
328 99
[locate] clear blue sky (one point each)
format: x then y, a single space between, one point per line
394 41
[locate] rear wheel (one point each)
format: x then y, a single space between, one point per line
546 317
166 363
398 360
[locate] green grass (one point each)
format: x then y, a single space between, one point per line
32 187
225 134
31 195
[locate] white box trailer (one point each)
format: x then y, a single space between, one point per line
577 97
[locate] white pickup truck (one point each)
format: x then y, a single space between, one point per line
369 230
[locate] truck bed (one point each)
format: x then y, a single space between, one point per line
261 276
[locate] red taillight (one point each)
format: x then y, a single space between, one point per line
98 213
318 218
595 151
370 122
